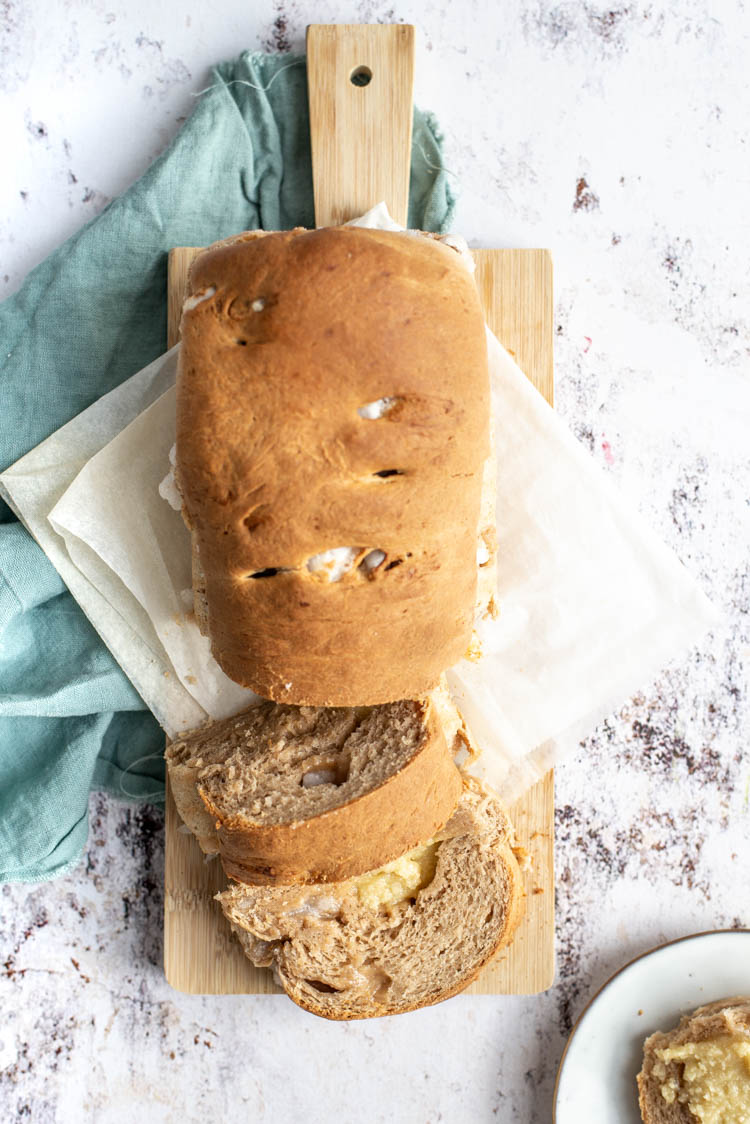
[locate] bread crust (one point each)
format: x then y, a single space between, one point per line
304 329
342 842
190 808
378 825
514 916
269 949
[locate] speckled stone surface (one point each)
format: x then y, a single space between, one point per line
616 135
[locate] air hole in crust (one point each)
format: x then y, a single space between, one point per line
270 572
318 985
257 516
258 304
394 563
386 472
241 343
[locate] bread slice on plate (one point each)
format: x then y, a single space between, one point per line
408 935
309 794
699 1073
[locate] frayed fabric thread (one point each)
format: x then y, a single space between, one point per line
289 66
429 163
244 81
157 796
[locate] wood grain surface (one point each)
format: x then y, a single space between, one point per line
360 134
360 87
200 954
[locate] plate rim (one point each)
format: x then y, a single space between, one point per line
607 982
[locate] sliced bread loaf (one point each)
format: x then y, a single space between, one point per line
312 794
407 935
699 1073
332 434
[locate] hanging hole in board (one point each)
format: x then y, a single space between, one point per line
361 76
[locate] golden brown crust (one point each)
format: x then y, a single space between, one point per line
342 842
366 822
276 465
199 590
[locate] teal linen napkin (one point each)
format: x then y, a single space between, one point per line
87 318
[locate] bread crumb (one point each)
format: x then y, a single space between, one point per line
474 651
523 858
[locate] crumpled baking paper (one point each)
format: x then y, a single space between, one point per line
592 604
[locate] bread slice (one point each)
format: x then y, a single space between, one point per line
665 1095
336 513
312 794
406 936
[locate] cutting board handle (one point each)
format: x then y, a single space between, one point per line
360 82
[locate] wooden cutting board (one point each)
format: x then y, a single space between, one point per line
361 136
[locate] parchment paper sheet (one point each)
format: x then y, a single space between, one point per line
592 603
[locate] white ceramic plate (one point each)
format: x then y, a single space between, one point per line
596 1079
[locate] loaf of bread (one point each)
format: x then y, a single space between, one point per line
332 440
308 794
408 935
699 1073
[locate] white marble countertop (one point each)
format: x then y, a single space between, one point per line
615 135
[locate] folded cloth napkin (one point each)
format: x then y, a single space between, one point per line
87 318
